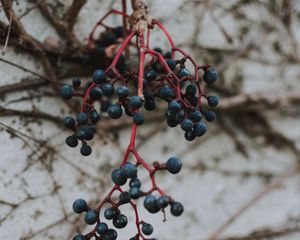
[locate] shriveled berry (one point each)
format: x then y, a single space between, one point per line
176 209
99 76
66 92
117 177
101 228
174 165
79 206
110 213
138 119
114 111
210 76
86 150
147 229
69 122
91 217
120 221
72 141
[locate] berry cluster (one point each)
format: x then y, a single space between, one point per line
165 77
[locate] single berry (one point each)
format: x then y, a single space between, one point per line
163 201
151 75
117 177
171 63
147 229
108 89
183 72
212 101
150 104
79 206
189 135
186 124
111 234
124 197
134 192
176 209
101 228
210 76
191 90
99 76
138 119
120 221
210 116
76 82
66 92
174 107
180 116
110 213
174 165
135 182
129 170
96 93
122 92
82 118
200 129
91 217
172 123
166 93
79 237
195 116
95 117
72 141
69 122
150 204
114 111
168 55
86 150
135 102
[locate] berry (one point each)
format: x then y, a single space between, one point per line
189 135
79 206
134 192
101 228
166 93
212 101
174 165
124 197
135 102
151 75
171 63
110 213
95 117
69 122
135 182
147 229
200 129
150 204
96 93
129 170
172 123
117 177
120 221
176 209
163 201
195 116
150 104
79 237
186 124
91 217
122 92
105 105
168 54
157 49
138 119
110 235
174 107
191 90
108 89
114 111
72 141
180 116
183 72
210 116
210 76
76 82
86 150
99 76
66 92
82 118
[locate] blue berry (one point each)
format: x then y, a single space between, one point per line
195 116
147 229
166 93
129 170
82 118
135 102
91 217
79 237
172 123
186 124
110 235
124 197
108 89
72 141
210 76
110 213
210 116
174 165
120 221
168 55
180 116
212 101
117 177
86 150
191 90
138 119
76 82
66 92
163 201
99 76
134 192
183 72
200 129
171 63
79 206
135 182
174 107
150 104
151 75
105 105
114 111
96 93
122 92
176 209
95 117
150 204
189 135
69 122
101 228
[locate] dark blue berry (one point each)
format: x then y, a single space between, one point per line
96 93
95 117
69 122
163 201
122 92
86 150
135 192
91 217
147 229
180 116
210 116
101 228
193 100
82 118
168 55
79 237
210 76
108 89
150 203
189 135
212 101
111 234
183 72
72 141
135 182
79 206
157 49
195 116
114 111
174 165
99 76
105 105
110 213
172 123
191 90
186 124
117 177
176 209
129 170
165 93
174 107
135 102
138 118
120 221
124 197
151 75
66 92
200 129
76 82
171 63
150 104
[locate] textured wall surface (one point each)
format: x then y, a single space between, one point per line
259 186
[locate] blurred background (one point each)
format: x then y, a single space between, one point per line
240 181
